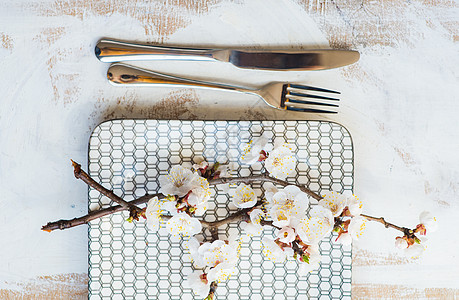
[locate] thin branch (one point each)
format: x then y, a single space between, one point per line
80 174
387 224
235 217
213 289
64 224
296 248
263 177
269 223
214 233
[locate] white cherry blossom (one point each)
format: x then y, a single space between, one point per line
170 206
153 214
414 251
221 272
180 181
313 262
254 227
344 238
429 221
321 212
357 227
200 195
280 162
251 153
288 206
244 196
334 201
312 230
218 252
281 216
198 282
401 243
286 235
225 170
270 191
193 246
273 251
183 224
355 205
200 163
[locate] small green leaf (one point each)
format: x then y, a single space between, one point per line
416 240
305 258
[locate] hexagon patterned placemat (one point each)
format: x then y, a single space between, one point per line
126 261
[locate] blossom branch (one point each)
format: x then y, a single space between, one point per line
65 224
261 178
132 205
241 215
80 174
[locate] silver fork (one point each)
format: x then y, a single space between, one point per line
280 95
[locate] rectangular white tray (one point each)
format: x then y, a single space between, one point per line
128 262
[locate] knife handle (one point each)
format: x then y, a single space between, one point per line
113 51
121 74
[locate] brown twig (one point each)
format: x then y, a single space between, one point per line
213 289
214 233
296 248
80 174
64 224
269 223
263 177
386 224
240 215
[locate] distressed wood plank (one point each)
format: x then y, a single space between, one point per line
62 286
385 291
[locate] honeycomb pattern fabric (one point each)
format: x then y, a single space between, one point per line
127 261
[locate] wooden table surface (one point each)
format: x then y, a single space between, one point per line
399 102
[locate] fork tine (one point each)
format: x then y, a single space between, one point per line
309 110
311 88
289 100
310 96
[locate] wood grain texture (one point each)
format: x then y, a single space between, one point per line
174 105
63 286
369 23
6 41
159 19
367 258
63 31
385 291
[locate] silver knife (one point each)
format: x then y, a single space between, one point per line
308 60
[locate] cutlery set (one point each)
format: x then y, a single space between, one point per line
280 95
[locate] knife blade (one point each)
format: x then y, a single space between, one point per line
290 60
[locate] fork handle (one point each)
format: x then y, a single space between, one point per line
121 74
113 51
